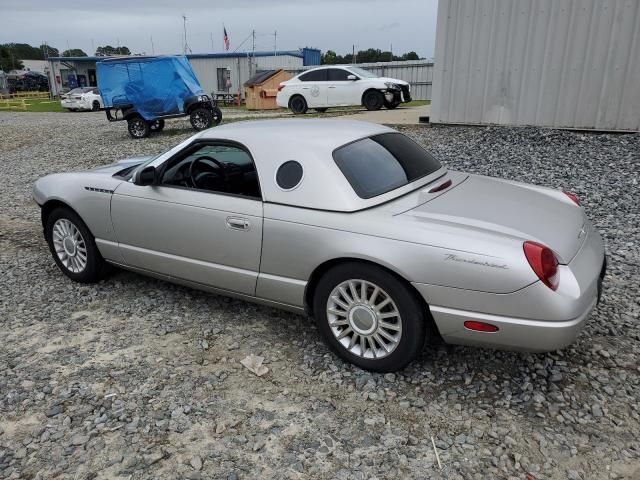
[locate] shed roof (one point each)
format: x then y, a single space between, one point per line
261 77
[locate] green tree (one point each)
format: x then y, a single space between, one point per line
24 51
8 60
109 50
49 51
74 52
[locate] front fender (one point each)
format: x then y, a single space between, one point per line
88 194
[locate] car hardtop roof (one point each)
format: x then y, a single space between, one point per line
328 134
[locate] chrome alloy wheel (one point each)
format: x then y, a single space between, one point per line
69 245
364 319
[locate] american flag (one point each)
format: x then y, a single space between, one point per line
226 39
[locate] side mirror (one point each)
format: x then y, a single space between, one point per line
352 77
146 176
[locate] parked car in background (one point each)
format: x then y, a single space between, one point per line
144 91
82 98
350 221
341 85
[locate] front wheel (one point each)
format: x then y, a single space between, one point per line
373 100
73 246
369 317
95 106
391 105
298 105
138 127
201 119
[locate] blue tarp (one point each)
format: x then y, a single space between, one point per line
155 86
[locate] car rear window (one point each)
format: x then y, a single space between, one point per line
379 164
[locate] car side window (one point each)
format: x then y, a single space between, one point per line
214 167
338 75
314 76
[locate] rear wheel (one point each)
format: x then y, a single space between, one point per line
138 127
201 118
369 317
95 106
157 125
216 116
373 100
391 105
298 105
73 246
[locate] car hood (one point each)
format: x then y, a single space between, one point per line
392 80
120 165
514 209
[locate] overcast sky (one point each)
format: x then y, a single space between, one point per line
327 25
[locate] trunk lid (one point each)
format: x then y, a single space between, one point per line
510 208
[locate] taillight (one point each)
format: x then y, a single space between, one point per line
280 87
544 263
573 197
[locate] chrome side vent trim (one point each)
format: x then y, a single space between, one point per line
100 190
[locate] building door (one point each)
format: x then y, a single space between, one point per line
93 81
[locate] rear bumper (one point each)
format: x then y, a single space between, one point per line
513 333
534 318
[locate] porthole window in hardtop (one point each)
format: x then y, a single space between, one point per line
381 163
289 175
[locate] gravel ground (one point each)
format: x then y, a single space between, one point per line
136 378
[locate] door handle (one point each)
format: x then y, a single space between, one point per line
332 87
237 223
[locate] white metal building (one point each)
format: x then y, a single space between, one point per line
212 69
552 63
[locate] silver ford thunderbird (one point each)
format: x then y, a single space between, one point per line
351 222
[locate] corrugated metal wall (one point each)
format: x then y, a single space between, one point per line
207 69
418 73
555 63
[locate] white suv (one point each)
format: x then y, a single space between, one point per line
341 85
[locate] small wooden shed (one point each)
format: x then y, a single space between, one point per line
260 90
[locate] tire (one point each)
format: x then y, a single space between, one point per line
156 125
216 116
95 106
63 224
373 100
404 344
138 127
201 118
298 105
391 105
320 110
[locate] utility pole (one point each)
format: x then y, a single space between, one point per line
211 34
275 43
184 26
153 50
253 51
353 54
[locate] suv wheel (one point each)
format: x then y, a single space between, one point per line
373 100
298 105
216 116
201 118
369 317
138 127
157 125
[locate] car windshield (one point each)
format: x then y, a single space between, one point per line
81 90
361 72
379 164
